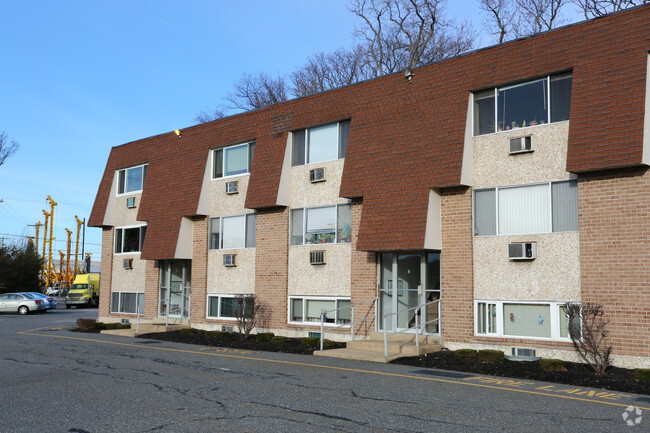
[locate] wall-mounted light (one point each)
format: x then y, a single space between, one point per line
178 133
408 73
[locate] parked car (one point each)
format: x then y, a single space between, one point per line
52 291
20 303
50 302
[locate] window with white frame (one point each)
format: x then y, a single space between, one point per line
130 180
319 144
129 239
523 104
321 225
526 209
233 232
228 306
127 302
232 160
517 319
307 310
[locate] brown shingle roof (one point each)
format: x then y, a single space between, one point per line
407 138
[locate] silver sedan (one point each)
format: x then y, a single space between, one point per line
21 304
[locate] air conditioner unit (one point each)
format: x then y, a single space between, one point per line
227 328
522 354
317 175
317 257
128 263
229 260
521 144
522 250
130 202
231 187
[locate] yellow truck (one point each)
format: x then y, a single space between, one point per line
84 291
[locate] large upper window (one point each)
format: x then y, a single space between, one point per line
232 160
321 225
523 104
542 208
322 143
129 239
130 180
232 232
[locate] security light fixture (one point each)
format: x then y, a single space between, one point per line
178 133
408 73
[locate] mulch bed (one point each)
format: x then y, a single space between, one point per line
574 374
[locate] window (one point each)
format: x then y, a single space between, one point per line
232 160
516 319
228 306
233 232
321 143
129 239
130 303
541 208
308 310
130 180
523 104
321 225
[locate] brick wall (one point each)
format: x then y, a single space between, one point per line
199 270
151 288
106 275
271 265
614 220
456 266
363 279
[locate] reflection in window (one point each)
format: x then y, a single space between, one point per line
321 143
233 160
321 225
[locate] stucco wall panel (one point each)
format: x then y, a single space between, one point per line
223 204
306 194
330 279
238 279
125 216
553 276
128 280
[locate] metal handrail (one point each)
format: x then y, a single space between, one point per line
417 326
323 314
166 301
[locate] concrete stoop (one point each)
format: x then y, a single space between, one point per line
372 349
145 328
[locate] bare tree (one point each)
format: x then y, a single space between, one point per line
538 15
598 8
257 91
247 313
7 148
588 332
205 116
400 34
325 71
501 18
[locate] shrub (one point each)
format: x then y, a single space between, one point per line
217 335
491 356
588 332
115 325
86 324
264 337
278 339
466 353
187 331
642 373
310 341
552 365
327 344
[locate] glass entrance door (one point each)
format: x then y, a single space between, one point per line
401 289
175 288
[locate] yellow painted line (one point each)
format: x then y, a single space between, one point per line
356 370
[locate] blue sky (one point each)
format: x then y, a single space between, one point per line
79 77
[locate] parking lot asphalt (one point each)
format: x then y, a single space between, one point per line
70 381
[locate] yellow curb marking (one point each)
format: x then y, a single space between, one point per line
330 367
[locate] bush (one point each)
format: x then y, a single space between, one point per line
552 365
187 331
466 353
491 356
217 335
327 344
310 341
278 339
642 373
86 324
115 325
264 337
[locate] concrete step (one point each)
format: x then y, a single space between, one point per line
398 345
407 338
358 354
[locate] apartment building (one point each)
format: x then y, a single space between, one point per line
478 194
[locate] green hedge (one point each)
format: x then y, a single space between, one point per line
491 356
310 341
264 337
551 364
278 339
642 373
466 353
92 324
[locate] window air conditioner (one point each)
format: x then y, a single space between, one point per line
225 328
522 250
231 187
317 175
130 202
229 260
128 263
317 257
521 144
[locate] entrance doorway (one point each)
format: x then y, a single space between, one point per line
175 288
401 290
